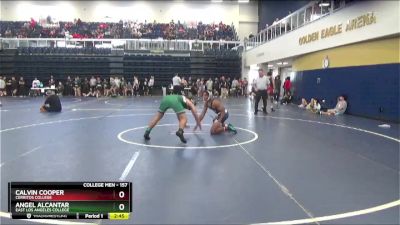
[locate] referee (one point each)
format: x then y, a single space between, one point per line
177 85
261 85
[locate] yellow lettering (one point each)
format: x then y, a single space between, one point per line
373 18
339 28
323 34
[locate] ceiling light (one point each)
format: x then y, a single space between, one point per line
243 1
279 63
270 65
324 4
216 1
285 63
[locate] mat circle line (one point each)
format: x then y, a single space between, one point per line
255 137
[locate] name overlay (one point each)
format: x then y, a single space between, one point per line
70 200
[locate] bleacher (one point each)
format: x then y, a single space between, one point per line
63 51
42 62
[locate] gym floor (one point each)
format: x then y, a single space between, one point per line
287 166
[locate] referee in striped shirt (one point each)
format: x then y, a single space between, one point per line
261 86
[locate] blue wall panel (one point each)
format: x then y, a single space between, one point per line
372 91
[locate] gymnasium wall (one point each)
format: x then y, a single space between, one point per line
387 17
367 72
113 11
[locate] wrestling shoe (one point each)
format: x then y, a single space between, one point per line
232 129
147 135
179 133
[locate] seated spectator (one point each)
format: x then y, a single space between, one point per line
314 106
339 109
52 104
106 88
287 98
79 29
304 103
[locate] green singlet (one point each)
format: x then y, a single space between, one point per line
175 102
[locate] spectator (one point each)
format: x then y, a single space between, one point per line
209 85
77 87
135 85
80 29
2 87
21 91
112 86
151 85
146 87
287 98
68 86
106 88
199 88
14 86
8 86
60 88
313 106
85 88
287 85
99 87
303 103
270 90
245 87
277 92
129 89
123 86
339 109
117 82
224 88
52 82
235 90
92 83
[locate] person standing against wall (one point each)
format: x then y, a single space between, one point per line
287 85
261 85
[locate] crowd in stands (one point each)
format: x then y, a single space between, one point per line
120 30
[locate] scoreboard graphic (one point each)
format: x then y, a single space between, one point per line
70 200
